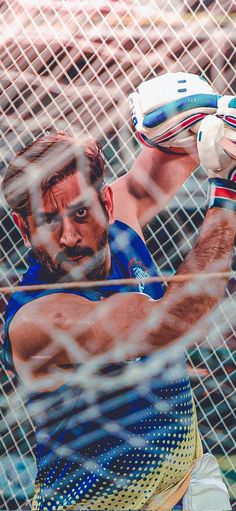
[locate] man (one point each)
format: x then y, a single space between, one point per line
130 442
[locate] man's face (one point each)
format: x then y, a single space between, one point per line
68 230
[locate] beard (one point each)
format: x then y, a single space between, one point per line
60 269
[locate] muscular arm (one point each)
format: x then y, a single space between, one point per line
74 329
153 180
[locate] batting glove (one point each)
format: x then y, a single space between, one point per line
167 109
218 157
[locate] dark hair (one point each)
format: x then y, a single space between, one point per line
47 161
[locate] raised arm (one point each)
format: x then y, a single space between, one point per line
165 111
153 180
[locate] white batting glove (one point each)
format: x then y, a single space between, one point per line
167 109
218 157
226 111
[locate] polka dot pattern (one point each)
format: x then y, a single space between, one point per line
139 445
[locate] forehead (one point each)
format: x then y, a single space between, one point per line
67 192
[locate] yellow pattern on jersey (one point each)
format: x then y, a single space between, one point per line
152 491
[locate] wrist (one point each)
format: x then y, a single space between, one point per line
222 193
164 149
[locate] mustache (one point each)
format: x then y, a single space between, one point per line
71 252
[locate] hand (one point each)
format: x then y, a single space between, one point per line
165 108
219 162
212 149
227 112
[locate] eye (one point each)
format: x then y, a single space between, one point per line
51 221
81 212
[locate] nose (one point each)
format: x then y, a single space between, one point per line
70 235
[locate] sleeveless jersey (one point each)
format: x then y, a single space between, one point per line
118 446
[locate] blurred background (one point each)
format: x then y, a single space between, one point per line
66 65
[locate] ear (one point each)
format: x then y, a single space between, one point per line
108 201
20 223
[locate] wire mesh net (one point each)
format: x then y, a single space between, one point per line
69 66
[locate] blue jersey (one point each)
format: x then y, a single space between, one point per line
117 448
129 259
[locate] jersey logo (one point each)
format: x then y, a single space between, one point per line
138 270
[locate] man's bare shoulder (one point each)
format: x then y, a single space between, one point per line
43 314
36 346
125 204
41 307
